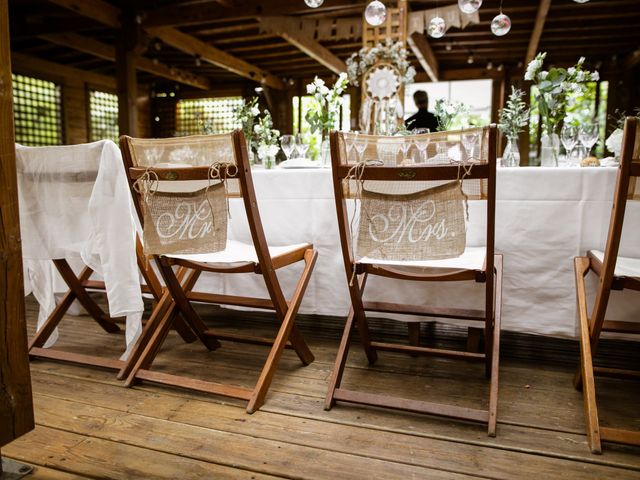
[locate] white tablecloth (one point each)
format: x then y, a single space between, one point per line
75 204
544 217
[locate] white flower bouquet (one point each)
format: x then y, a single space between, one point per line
448 112
266 139
246 115
555 86
323 114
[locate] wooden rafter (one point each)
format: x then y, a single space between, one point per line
208 53
541 18
424 53
108 52
178 14
99 10
313 49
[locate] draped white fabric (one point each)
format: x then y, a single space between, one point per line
75 204
544 218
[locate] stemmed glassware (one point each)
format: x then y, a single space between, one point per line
569 138
421 144
405 145
302 144
469 141
589 135
360 144
288 144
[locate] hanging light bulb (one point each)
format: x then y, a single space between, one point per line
376 13
314 3
437 27
469 6
470 59
581 1
500 25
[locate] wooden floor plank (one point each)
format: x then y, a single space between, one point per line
93 457
409 449
540 430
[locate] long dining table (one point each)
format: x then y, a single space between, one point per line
544 218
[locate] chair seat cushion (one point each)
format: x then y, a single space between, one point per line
472 259
238 252
625 266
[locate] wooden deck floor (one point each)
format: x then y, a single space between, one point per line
88 425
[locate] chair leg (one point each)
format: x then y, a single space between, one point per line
83 297
586 379
270 366
43 334
361 319
495 349
341 359
300 346
178 293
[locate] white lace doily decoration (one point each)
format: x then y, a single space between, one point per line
382 82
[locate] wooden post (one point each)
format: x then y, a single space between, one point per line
16 404
127 86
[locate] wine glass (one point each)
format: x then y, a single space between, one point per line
302 144
360 144
469 141
569 138
589 136
288 144
422 143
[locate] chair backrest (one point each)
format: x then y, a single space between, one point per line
413 190
183 166
627 188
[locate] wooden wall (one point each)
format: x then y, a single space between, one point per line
75 87
16 405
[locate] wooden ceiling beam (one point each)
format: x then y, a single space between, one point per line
99 10
108 52
424 53
313 49
541 17
211 54
194 14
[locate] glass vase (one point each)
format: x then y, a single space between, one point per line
269 162
511 155
549 150
325 153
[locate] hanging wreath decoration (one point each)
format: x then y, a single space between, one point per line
389 52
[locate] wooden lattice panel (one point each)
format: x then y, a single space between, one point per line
394 27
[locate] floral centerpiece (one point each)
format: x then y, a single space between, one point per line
447 113
246 115
389 52
266 140
554 88
513 118
323 113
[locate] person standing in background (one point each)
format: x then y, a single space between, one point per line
423 118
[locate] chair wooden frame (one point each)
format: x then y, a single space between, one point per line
180 283
490 275
79 286
592 325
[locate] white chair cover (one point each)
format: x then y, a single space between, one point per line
75 204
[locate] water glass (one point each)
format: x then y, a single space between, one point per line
288 144
302 144
589 136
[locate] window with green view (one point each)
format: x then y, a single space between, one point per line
37 110
103 109
206 115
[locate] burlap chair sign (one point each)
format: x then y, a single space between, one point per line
425 225
185 222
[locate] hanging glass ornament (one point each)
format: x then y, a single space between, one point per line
581 1
500 25
437 27
469 6
314 3
376 13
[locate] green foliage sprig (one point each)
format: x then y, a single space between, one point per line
515 115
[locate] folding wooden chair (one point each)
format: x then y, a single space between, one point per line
614 273
198 157
80 285
463 161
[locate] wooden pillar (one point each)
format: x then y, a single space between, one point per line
16 404
127 86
